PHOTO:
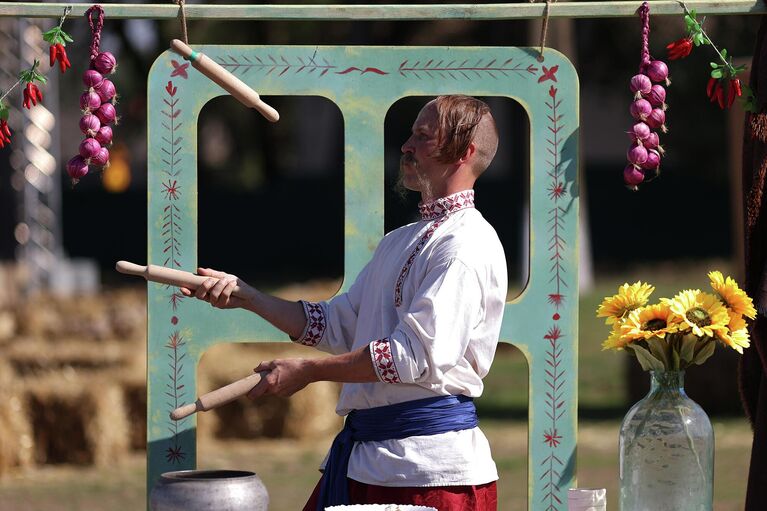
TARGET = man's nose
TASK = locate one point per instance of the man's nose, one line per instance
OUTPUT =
(407, 147)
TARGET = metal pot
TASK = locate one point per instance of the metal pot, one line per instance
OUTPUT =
(205, 490)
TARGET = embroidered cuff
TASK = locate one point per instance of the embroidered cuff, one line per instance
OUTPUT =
(315, 324)
(383, 362)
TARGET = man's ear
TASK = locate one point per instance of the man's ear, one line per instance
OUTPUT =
(469, 154)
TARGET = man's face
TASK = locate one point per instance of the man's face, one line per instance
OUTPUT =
(419, 171)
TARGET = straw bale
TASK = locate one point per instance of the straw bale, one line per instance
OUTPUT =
(16, 440)
(8, 325)
(77, 420)
(105, 423)
(128, 314)
(33, 356)
(134, 396)
(312, 412)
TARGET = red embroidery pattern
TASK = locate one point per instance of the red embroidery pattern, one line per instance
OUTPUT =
(384, 361)
(436, 209)
(444, 205)
(315, 324)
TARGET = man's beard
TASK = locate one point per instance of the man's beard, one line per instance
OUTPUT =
(423, 183)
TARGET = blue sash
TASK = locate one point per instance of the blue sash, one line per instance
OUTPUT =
(429, 416)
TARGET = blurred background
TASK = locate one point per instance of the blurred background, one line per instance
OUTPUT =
(73, 331)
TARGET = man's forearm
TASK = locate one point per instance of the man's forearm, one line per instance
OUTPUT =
(353, 367)
(286, 315)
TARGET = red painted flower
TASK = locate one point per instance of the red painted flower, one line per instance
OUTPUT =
(679, 49)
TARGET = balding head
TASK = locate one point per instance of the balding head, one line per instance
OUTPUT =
(464, 120)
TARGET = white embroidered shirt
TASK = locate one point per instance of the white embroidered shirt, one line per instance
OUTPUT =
(429, 303)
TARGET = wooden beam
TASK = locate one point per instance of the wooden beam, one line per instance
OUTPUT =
(526, 10)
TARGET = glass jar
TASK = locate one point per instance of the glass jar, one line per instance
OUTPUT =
(666, 450)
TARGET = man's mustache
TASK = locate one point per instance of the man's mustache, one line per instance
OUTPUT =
(408, 159)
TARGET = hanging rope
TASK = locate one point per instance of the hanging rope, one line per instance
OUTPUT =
(544, 26)
(95, 28)
(182, 15)
(644, 16)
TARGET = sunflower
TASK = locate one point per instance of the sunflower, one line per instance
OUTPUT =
(616, 341)
(629, 297)
(655, 320)
(736, 335)
(731, 295)
(702, 312)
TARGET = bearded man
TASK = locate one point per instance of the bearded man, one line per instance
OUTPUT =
(413, 337)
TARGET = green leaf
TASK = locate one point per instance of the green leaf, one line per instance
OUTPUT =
(4, 112)
(658, 348)
(724, 53)
(66, 37)
(687, 353)
(697, 39)
(646, 360)
(704, 352)
(717, 73)
(714, 65)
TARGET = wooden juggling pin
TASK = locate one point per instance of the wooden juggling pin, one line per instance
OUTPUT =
(170, 276)
(225, 79)
(218, 397)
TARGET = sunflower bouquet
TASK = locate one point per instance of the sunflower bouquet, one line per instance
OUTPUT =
(680, 331)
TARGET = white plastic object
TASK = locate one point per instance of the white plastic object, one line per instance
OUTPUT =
(587, 499)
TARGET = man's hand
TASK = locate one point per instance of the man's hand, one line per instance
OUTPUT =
(217, 290)
(285, 377)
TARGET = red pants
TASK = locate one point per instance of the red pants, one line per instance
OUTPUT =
(444, 498)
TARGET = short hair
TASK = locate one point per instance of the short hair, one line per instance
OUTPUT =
(461, 121)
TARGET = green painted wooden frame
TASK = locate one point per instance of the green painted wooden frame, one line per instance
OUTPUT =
(364, 82)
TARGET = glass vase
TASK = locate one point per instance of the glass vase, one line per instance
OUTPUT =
(666, 450)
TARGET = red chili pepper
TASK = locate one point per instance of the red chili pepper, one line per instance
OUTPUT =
(710, 87)
(679, 49)
(26, 96)
(52, 52)
(37, 94)
(5, 133)
(62, 58)
(730, 94)
(738, 89)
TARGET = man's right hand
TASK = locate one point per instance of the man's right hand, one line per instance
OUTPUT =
(217, 290)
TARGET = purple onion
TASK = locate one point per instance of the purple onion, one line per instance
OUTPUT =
(652, 141)
(92, 78)
(637, 154)
(77, 168)
(640, 109)
(657, 96)
(89, 147)
(104, 135)
(89, 124)
(639, 131)
(657, 70)
(101, 158)
(105, 63)
(632, 175)
(106, 113)
(640, 84)
(89, 101)
(656, 119)
(106, 90)
(652, 161)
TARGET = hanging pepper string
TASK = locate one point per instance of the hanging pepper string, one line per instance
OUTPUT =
(544, 26)
(95, 28)
(182, 14)
(644, 14)
(10, 90)
(67, 10)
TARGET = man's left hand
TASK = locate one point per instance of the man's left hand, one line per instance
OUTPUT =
(285, 377)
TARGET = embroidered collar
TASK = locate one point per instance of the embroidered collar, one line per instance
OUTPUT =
(444, 205)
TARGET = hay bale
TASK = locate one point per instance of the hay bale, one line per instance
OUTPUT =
(77, 419)
(312, 412)
(105, 420)
(16, 440)
(34, 356)
(128, 314)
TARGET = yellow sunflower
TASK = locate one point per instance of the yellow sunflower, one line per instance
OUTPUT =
(629, 297)
(731, 295)
(616, 341)
(701, 312)
(736, 335)
(655, 320)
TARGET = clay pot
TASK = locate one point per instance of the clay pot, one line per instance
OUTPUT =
(198, 490)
